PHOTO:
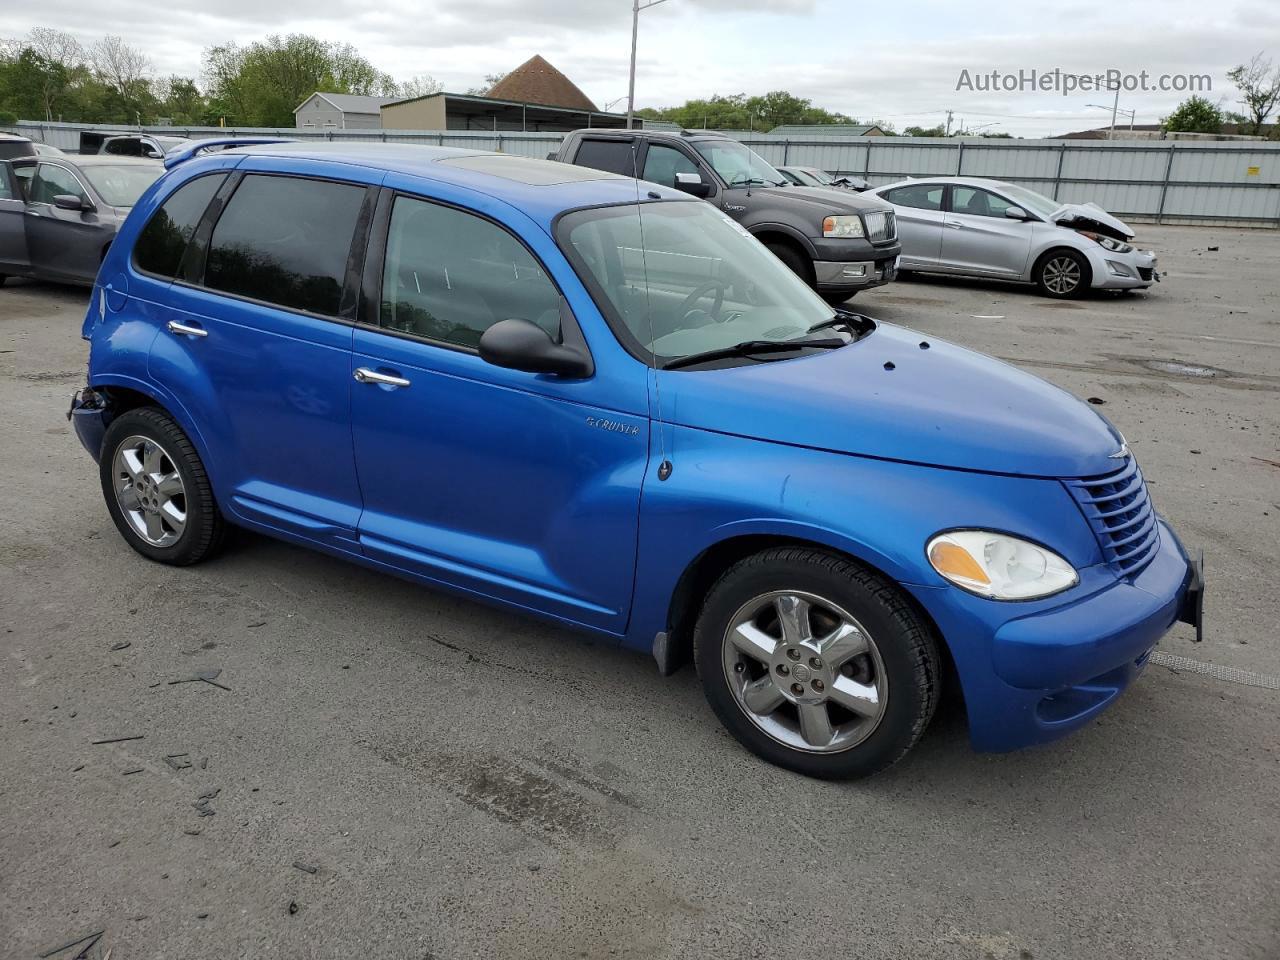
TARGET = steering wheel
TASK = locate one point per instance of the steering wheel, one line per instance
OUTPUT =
(719, 286)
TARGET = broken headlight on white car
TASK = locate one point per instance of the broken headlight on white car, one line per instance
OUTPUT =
(1107, 243)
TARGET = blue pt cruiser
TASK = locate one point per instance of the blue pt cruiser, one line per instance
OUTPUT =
(601, 401)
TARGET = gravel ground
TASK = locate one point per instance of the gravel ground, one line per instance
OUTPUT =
(384, 771)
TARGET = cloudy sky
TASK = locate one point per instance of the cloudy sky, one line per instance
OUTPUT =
(898, 62)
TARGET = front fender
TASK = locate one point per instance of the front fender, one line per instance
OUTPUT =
(806, 244)
(880, 512)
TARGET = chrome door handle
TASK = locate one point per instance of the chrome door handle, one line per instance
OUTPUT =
(176, 327)
(365, 375)
(953, 224)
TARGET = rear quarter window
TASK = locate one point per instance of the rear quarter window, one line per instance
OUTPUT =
(159, 247)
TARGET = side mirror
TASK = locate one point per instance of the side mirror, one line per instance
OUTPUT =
(1016, 213)
(693, 185)
(518, 344)
(68, 201)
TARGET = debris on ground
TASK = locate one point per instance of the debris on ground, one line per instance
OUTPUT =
(202, 676)
(293, 906)
(179, 761)
(132, 770)
(305, 867)
(91, 938)
(1212, 249)
(1274, 463)
(123, 644)
(115, 740)
(1096, 401)
(202, 803)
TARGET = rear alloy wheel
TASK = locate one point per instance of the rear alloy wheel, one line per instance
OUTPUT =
(816, 664)
(156, 489)
(1063, 274)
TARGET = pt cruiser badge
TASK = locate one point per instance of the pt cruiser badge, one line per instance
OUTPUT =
(614, 426)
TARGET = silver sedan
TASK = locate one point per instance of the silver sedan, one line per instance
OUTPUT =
(987, 228)
(58, 215)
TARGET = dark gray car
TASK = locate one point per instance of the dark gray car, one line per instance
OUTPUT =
(58, 215)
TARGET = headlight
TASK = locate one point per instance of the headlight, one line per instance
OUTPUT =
(846, 226)
(999, 566)
(1108, 243)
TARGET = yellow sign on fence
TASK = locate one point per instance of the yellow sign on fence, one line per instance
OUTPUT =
(1253, 171)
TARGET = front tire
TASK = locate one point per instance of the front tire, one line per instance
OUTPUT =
(816, 664)
(835, 299)
(157, 490)
(795, 261)
(1063, 274)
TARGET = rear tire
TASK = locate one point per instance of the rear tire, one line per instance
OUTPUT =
(794, 260)
(835, 299)
(1063, 274)
(816, 664)
(157, 490)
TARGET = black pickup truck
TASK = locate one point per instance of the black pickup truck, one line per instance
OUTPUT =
(839, 242)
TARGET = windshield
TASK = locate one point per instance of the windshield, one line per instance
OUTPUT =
(1035, 202)
(121, 186)
(710, 284)
(821, 176)
(738, 165)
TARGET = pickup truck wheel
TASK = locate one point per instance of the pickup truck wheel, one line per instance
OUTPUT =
(794, 260)
(835, 299)
(1062, 274)
(816, 664)
(157, 490)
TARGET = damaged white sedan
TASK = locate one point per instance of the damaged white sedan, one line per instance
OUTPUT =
(965, 226)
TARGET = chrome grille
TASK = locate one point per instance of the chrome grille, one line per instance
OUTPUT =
(881, 226)
(1119, 511)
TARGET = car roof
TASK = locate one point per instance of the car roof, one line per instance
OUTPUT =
(541, 188)
(954, 181)
(14, 136)
(105, 160)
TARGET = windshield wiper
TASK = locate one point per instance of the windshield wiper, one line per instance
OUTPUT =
(748, 347)
(843, 318)
(754, 182)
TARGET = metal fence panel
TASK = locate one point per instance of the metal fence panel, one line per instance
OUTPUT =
(1233, 182)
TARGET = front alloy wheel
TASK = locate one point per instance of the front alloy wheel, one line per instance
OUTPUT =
(804, 671)
(1063, 274)
(816, 663)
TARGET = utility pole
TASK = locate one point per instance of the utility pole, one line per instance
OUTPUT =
(1115, 106)
(948, 123)
(636, 7)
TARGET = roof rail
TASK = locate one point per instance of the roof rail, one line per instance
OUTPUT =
(197, 147)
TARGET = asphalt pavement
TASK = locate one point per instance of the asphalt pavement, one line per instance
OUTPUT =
(360, 767)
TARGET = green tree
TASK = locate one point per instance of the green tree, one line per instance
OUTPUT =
(1194, 115)
(740, 112)
(262, 84)
(937, 131)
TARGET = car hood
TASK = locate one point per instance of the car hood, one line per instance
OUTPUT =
(828, 200)
(888, 397)
(1090, 216)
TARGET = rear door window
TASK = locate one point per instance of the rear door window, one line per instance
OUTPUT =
(285, 241)
(923, 196)
(161, 243)
(611, 155)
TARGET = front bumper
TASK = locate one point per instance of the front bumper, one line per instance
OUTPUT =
(1135, 270)
(853, 263)
(1053, 671)
(835, 276)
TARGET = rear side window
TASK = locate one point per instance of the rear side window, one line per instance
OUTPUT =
(160, 245)
(611, 155)
(285, 240)
(923, 196)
